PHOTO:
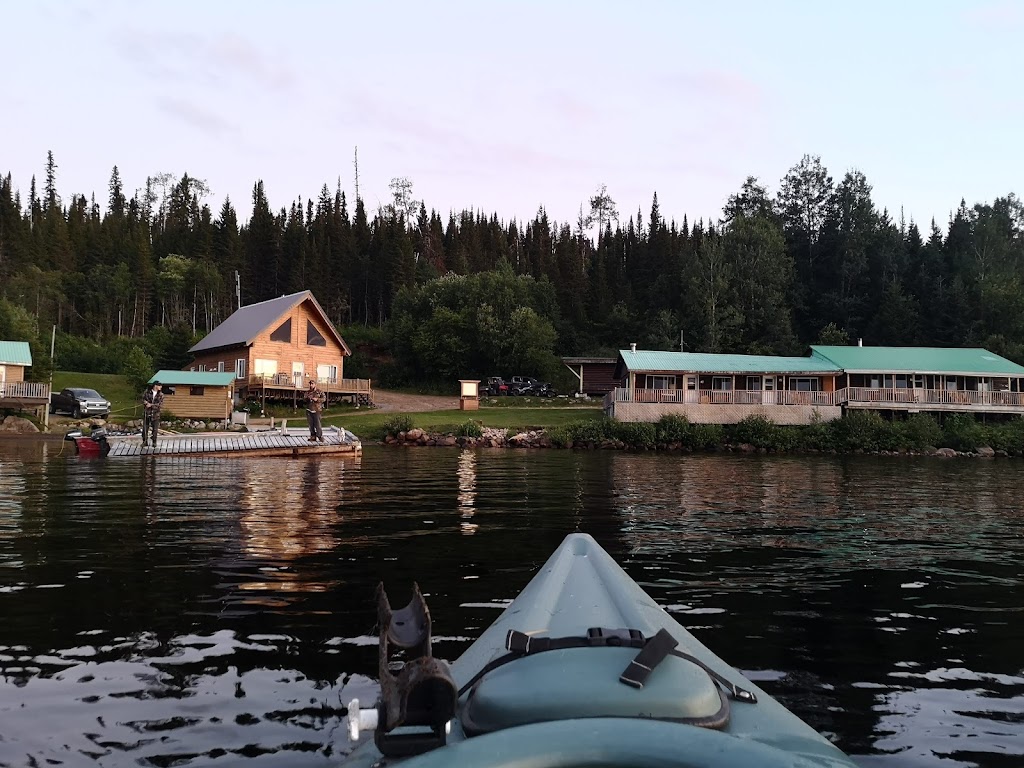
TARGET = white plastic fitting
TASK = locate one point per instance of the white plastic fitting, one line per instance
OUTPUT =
(360, 719)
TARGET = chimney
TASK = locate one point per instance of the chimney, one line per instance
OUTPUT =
(860, 342)
(632, 347)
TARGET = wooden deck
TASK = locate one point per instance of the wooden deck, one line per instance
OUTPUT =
(274, 442)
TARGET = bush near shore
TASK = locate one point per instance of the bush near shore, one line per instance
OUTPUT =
(855, 433)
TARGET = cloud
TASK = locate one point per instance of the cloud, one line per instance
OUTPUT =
(195, 115)
(1002, 14)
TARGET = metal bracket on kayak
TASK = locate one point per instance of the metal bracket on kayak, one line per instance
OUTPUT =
(417, 693)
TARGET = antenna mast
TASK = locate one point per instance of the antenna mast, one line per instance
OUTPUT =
(356, 164)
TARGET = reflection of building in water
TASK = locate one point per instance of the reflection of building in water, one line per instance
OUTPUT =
(467, 490)
(289, 510)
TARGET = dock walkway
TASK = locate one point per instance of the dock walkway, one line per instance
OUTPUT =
(272, 442)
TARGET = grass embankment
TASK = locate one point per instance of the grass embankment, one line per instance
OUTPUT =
(370, 424)
(125, 403)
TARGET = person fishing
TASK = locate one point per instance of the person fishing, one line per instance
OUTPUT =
(314, 407)
(152, 402)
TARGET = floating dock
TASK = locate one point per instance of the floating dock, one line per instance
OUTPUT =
(271, 442)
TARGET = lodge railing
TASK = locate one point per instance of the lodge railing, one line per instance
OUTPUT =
(847, 395)
(926, 397)
(25, 390)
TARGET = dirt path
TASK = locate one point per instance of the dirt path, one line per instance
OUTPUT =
(398, 402)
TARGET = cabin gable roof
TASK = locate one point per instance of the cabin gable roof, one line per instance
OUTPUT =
(243, 327)
(15, 353)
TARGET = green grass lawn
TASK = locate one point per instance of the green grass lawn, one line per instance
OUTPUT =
(369, 424)
(124, 403)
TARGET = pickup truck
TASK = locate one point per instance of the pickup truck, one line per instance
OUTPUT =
(78, 402)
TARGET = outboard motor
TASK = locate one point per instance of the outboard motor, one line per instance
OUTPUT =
(96, 444)
(418, 696)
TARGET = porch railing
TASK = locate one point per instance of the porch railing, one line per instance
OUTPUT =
(25, 390)
(930, 396)
(288, 381)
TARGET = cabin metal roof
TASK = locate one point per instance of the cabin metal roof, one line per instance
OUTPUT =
(931, 360)
(698, 362)
(248, 322)
(194, 378)
(15, 353)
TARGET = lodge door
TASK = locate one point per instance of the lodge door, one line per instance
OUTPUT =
(298, 373)
(769, 390)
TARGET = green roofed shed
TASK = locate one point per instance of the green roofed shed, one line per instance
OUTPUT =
(15, 353)
(924, 360)
(194, 378)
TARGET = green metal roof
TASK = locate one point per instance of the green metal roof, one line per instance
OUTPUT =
(15, 353)
(194, 378)
(964, 361)
(697, 362)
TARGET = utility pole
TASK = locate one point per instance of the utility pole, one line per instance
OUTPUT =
(46, 409)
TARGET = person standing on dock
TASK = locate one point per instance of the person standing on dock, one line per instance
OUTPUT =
(314, 407)
(152, 402)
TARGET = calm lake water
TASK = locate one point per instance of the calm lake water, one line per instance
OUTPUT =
(213, 612)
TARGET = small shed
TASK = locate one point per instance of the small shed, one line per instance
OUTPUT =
(596, 375)
(197, 394)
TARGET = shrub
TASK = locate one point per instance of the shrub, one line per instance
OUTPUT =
(673, 428)
(962, 432)
(469, 429)
(921, 430)
(400, 422)
(761, 433)
(638, 434)
(1008, 436)
(864, 430)
(705, 436)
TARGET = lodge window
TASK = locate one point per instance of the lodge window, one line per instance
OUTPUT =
(196, 391)
(327, 373)
(798, 384)
(202, 367)
(220, 367)
(723, 383)
(661, 382)
(283, 332)
(240, 368)
(313, 337)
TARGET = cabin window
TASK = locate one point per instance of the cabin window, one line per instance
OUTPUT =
(313, 337)
(753, 383)
(327, 373)
(265, 368)
(875, 382)
(804, 384)
(196, 391)
(723, 383)
(220, 367)
(283, 332)
(240, 368)
(661, 382)
(202, 367)
(918, 381)
(901, 381)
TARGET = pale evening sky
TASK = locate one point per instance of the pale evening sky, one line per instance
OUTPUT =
(505, 107)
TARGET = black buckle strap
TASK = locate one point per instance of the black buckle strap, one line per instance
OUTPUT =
(650, 656)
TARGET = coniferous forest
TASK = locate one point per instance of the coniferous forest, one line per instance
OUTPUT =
(808, 259)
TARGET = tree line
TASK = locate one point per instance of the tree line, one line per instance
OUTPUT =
(815, 260)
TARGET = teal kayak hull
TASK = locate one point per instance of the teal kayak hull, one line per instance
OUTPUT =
(568, 708)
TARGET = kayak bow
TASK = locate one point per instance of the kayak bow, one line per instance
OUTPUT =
(583, 668)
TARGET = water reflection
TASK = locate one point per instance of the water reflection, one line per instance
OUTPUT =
(170, 612)
(467, 490)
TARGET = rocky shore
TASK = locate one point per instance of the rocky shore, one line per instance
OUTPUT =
(500, 438)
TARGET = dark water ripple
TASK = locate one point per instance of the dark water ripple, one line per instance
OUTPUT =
(212, 612)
